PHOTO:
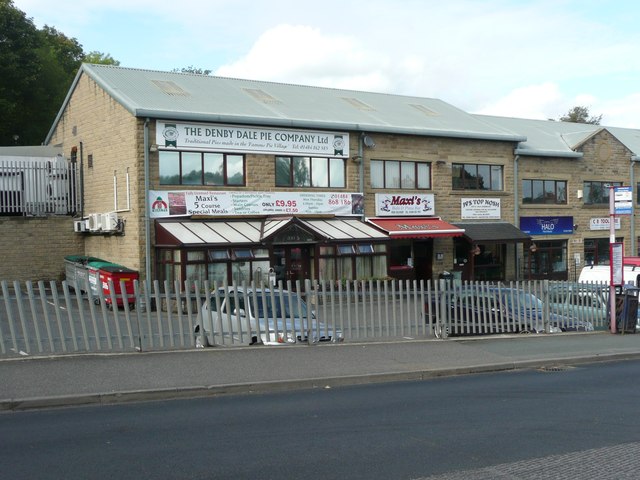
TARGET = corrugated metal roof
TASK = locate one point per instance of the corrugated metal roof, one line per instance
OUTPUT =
(545, 137)
(33, 151)
(560, 139)
(180, 96)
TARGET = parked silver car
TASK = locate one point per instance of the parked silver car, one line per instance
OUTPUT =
(269, 316)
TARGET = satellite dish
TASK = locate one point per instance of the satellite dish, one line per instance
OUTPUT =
(368, 141)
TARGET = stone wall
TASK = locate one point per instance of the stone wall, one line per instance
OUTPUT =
(33, 248)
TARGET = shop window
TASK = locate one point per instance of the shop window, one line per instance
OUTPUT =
(597, 193)
(242, 253)
(218, 254)
(596, 250)
(544, 192)
(468, 176)
(547, 260)
(310, 172)
(345, 250)
(396, 174)
(197, 168)
(365, 248)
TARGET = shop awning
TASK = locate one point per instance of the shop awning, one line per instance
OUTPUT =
(344, 229)
(426, 227)
(493, 232)
(227, 232)
(197, 232)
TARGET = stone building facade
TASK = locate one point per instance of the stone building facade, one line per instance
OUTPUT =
(473, 172)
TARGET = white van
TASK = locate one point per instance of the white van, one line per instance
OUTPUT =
(602, 274)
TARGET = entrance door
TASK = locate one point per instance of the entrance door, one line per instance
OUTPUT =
(292, 262)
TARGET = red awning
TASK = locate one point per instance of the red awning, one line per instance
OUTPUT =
(426, 227)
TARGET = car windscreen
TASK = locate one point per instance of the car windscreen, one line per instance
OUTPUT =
(523, 300)
(282, 306)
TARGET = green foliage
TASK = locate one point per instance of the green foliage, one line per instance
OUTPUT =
(580, 115)
(100, 58)
(36, 71)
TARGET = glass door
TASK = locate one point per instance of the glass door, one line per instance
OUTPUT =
(292, 262)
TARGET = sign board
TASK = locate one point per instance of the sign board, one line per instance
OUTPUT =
(546, 225)
(623, 200)
(193, 202)
(480, 208)
(602, 223)
(397, 205)
(617, 270)
(235, 138)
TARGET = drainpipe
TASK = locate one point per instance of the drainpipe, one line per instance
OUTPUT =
(634, 239)
(147, 234)
(361, 167)
(516, 212)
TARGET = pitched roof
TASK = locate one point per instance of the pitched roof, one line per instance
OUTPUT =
(180, 96)
(560, 139)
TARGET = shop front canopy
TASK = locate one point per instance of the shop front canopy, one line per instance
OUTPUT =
(493, 232)
(190, 232)
(425, 227)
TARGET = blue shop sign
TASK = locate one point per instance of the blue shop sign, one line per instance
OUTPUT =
(546, 225)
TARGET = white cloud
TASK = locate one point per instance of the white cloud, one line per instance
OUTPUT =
(525, 58)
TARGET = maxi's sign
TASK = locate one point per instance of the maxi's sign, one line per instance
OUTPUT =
(212, 203)
(234, 138)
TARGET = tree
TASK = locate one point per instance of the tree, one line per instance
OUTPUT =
(100, 58)
(19, 70)
(36, 71)
(580, 115)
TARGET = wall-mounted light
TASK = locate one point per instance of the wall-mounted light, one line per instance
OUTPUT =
(153, 148)
(533, 248)
(439, 256)
(575, 226)
(356, 159)
(441, 162)
(476, 250)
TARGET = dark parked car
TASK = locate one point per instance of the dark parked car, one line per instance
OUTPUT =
(490, 310)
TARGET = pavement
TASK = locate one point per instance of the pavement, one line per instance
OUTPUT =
(85, 379)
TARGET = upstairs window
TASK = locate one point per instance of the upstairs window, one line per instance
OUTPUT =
(314, 172)
(395, 174)
(544, 192)
(199, 168)
(597, 193)
(469, 176)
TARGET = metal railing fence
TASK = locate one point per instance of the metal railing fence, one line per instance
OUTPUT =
(47, 318)
(39, 188)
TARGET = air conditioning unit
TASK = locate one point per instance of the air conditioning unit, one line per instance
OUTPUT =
(109, 222)
(95, 222)
(80, 226)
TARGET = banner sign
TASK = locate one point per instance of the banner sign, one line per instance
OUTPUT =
(191, 202)
(484, 208)
(233, 138)
(394, 205)
(617, 259)
(546, 225)
(623, 199)
(602, 223)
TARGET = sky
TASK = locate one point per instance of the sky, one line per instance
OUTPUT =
(515, 58)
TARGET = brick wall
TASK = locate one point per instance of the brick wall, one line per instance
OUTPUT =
(605, 159)
(34, 248)
(110, 145)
